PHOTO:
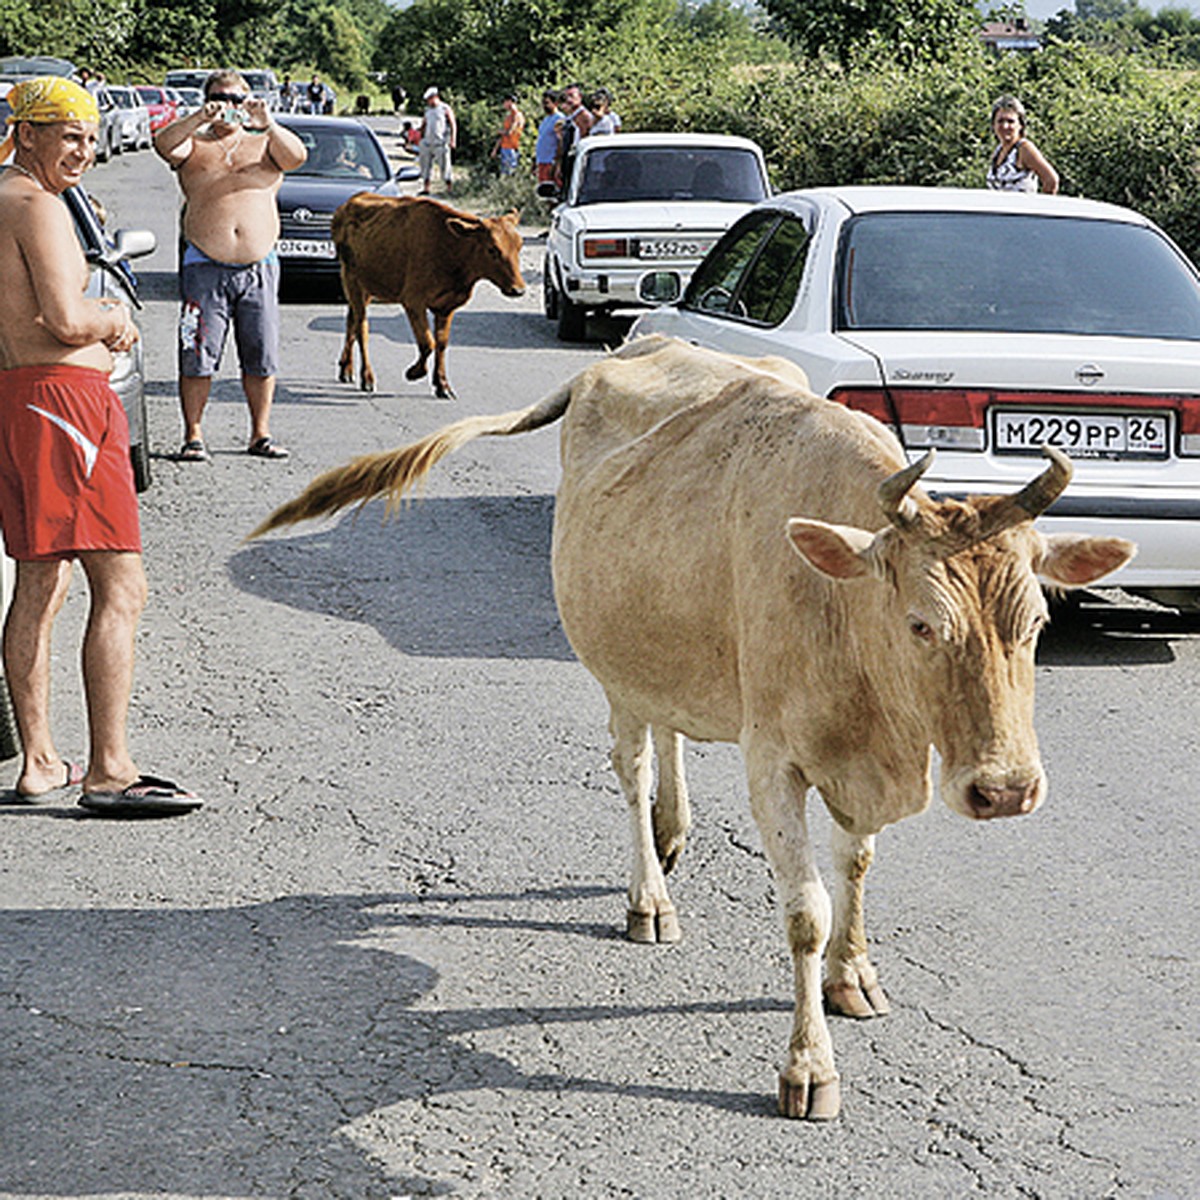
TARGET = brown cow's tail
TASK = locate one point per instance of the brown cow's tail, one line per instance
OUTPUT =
(396, 472)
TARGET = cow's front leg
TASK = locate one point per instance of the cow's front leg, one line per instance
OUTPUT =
(651, 916)
(441, 339)
(356, 318)
(672, 813)
(809, 1086)
(418, 321)
(851, 981)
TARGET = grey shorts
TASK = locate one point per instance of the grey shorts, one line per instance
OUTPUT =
(218, 294)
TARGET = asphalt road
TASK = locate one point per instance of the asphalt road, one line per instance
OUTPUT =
(386, 957)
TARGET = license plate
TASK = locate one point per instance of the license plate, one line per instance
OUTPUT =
(306, 248)
(1082, 435)
(674, 247)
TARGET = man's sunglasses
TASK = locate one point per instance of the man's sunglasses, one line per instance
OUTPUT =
(227, 97)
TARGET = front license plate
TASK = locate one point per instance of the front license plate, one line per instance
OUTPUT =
(674, 247)
(306, 248)
(1082, 435)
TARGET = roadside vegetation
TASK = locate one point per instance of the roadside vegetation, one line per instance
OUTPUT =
(880, 91)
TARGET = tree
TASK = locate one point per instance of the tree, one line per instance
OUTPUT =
(907, 30)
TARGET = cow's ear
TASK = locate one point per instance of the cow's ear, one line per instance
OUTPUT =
(512, 217)
(839, 551)
(459, 227)
(1073, 560)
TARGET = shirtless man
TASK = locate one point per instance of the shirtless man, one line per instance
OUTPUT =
(66, 484)
(575, 128)
(231, 158)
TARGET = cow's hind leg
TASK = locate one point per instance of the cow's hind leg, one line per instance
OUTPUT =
(441, 339)
(808, 1083)
(672, 813)
(851, 981)
(356, 333)
(418, 321)
(651, 916)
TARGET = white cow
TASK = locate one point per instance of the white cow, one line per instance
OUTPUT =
(738, 560)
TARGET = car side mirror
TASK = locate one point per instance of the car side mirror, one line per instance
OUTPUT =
(134, 243)
(547, 190)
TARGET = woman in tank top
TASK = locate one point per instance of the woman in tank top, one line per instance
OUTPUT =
(1017, 164)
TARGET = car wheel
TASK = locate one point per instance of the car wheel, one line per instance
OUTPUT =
(572, 320)
(139, 451)
(549, 295)
(118, 144)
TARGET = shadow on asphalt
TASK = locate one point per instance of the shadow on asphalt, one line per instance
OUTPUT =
(449, 578)
(227, 1052)
(1097, 630)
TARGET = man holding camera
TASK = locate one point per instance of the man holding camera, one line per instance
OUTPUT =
(231, 157)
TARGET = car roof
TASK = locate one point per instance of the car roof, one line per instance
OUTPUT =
(311, 121)
(664, 140)
(869, 198)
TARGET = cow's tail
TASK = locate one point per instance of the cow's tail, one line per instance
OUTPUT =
(395, 472)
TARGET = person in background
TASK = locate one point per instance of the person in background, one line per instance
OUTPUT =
(439, 136)
(314, 95)
(66, 483)
(1017, 165)
(577, 125)
(230, 157)
(604, 120)
(287, 95)
(508, 140)
(545, 150)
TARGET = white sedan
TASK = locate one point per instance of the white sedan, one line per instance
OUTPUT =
(984, 325)
(640, 211)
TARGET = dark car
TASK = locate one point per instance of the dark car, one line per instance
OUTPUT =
(344, 158)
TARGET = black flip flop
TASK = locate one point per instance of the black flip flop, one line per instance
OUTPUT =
(146, 796)
(266, 448)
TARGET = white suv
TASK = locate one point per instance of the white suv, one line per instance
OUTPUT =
(639, 212)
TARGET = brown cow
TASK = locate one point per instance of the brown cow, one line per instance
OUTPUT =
(424, 255)
(738, 560)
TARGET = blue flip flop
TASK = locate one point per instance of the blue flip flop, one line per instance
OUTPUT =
(146, 796)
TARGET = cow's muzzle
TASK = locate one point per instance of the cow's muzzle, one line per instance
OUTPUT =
(987, 800)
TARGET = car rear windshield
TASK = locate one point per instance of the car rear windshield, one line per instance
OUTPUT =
(990, 272)
(341, 154)
(670, 173)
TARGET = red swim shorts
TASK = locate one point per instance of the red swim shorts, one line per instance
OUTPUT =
(66, 483)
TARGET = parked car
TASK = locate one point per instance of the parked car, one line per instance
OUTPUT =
(159, 104)
(108, 139)
(188, 77)
(262, 83)
(131, 116)
(984, 325)
(187, 99)
(640, 211)
(344, 158)
(27, 66)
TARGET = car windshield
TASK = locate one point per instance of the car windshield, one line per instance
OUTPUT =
(341, 154)
(619, 173)
(150, 95)
(123, 99)
(991, 272)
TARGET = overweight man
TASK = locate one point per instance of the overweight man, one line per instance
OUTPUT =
(66, 483)
(230, 156)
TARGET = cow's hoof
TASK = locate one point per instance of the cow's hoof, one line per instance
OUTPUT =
(808, 1101)
(444, 392)
(416, 371)
(367, 385)
(345, 375)
(854, 1000)
(649, 928)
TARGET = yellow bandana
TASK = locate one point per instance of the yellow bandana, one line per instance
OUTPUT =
(46, 101)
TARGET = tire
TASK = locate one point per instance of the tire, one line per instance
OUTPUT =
(549, 293)
(139, 452)
(572, 321)
(10, 743)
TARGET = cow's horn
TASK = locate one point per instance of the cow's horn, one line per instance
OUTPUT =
(1038, 494)
(894, 488)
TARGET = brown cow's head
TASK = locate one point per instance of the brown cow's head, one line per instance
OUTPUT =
(495, 249)
(963, 611)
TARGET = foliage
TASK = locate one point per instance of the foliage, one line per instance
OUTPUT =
(906, 31)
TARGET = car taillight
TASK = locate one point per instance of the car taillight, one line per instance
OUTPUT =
(605, 247)
(1189, 428)
(950, 419)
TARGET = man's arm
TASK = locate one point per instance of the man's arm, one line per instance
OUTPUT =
(173, 143)
(285, 148)
(453, 128)
(48, 245)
